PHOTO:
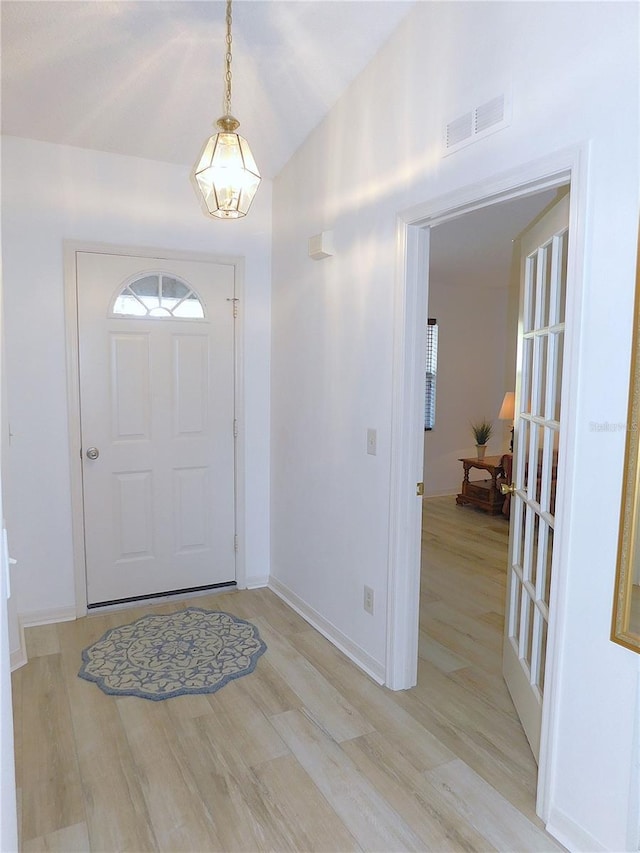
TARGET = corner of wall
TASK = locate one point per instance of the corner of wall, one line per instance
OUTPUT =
(359, 656)
(570, 834)
(18, 653)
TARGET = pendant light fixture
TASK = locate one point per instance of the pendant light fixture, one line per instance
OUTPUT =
(227, 175)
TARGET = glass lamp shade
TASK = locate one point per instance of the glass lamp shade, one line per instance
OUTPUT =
(227, 175)
(507, 412)
(507, 409)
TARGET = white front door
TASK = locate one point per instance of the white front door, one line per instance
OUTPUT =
(535, 463)
(156, 361)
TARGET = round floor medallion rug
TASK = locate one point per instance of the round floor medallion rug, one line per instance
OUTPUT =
(165, 655)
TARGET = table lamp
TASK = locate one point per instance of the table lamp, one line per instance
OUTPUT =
(507, 412)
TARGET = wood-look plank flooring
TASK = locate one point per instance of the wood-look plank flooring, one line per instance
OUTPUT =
(306, 753)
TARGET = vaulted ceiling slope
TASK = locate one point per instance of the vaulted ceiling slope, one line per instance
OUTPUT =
(145, 77)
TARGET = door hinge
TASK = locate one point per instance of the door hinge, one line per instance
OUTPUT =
(235, 301)
(235, 427)
(419, 489)
(235, 542)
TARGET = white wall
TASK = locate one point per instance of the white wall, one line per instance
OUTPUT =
(8, 822)
(572, 68)
(472, 346)
(51, 193)
(8, 825)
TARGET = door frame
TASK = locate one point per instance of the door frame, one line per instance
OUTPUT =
(70, 248)
(569, 166)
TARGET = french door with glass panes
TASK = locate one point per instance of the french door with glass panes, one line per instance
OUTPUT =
(541, 332)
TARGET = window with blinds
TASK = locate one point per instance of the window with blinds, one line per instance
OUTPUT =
(431, 366)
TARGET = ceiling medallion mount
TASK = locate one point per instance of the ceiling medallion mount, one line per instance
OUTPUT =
(226, 172)
(228, 123)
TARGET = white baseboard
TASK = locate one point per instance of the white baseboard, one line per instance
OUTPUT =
(31, 618)
(570, 834)
(18, 659)
(372, 667)
(18, 656)
(256, 582)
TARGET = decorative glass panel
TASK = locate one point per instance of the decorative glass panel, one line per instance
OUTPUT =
(189, 307)
(128, 305)
(173, 288)
(431, 366)
(147, 286)
(158, 296)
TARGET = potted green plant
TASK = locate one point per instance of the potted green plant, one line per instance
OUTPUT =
(482, 431)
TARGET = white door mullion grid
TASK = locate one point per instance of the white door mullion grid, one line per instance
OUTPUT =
(536, 446)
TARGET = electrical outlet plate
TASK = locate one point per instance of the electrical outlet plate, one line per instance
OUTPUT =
(372, 442)
(368, 599)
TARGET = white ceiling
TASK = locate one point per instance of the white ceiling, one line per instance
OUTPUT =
(145, 78)
(477, 248)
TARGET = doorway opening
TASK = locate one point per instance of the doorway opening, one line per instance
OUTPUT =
(474, 292)
(568, 167)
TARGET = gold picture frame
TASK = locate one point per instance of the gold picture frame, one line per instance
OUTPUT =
(625, 627)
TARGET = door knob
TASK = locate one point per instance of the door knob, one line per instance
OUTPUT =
(93, 453)
(507, 489)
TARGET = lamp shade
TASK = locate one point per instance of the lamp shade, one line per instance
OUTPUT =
(227, 175)
(507, 409)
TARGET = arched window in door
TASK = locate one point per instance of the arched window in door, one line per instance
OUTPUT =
(158, 296)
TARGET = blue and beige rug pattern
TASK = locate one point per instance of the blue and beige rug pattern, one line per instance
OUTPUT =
(164, 655)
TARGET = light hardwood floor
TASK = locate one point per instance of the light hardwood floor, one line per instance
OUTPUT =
(306, 753)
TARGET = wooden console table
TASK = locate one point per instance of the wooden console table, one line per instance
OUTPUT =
(484, 494)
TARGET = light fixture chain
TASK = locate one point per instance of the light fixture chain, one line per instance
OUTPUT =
(227, 96)
(226, 174)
